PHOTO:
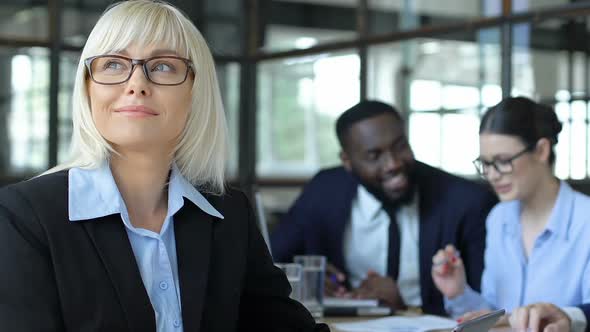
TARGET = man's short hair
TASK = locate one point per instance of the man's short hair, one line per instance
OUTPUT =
(361, 111)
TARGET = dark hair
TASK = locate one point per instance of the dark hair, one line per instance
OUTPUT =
(524, 118)
(361, 111)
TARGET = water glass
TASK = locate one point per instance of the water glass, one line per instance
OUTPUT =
(293, 272)
(314, 270)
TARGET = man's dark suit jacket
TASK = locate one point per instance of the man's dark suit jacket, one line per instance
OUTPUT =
(586, 309)
(452, 211)
(64, 276)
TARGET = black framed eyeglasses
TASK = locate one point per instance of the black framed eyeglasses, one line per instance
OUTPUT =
(117, 69)
(503, 166)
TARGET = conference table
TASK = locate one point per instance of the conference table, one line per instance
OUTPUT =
(334, 320)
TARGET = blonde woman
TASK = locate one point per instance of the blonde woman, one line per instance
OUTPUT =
(137, 232)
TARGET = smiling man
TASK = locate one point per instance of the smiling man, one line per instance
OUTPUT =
(382, 215)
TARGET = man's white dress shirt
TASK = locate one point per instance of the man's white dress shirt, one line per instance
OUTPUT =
(366, 244)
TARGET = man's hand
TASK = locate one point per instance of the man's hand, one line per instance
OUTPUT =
(334, 284)
(382, 288)
(541, 317)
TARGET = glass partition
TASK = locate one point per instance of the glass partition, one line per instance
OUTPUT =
(298, 103)
(550, 63)
(387, 16)
(301, 24)
(26, 19)
(24, 114)
(440, 85)
(228, 75)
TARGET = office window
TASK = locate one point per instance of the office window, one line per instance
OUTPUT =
(24, 110)
(386, 16)
(298, 103)
(443, 128)
(223, 24)
(78, 19)
(573, 148)
(67, 76)
(282, 38)
(24, 19)
(551, 64)
(441, 85)
(228, 75)
(519, 6)
(300, 24)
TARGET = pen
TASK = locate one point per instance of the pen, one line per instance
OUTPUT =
(445, 261)
(334, 278)
(340, 287)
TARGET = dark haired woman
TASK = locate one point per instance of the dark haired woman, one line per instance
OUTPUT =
(537, 246)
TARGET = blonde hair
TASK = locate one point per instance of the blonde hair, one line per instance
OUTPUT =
(201, 153)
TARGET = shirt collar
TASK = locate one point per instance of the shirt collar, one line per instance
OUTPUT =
(511, 218)
(559, 220)
(369, 205)
(93, 193)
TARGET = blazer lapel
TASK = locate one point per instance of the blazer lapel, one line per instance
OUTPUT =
(193, 230)
(110, 239)
(339, 218)
(429, 230)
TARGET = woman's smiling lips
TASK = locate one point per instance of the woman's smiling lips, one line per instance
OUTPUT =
(502, 189)
(136, 111)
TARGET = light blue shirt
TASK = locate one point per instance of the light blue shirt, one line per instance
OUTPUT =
(94, 193)
(557, 270)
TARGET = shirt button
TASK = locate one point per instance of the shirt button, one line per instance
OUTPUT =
(163, 285)
(176, 323)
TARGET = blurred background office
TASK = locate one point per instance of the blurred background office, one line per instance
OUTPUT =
(288, 68)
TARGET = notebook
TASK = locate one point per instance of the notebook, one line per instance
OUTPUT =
(424, 323)
(344, 302)
(334, 306)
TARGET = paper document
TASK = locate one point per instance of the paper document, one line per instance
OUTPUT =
(398, 324)
(342, 302)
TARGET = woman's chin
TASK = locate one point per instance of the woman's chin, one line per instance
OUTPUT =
(507, 196)
(135, 144)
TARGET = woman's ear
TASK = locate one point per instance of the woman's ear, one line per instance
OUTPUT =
(543, 150)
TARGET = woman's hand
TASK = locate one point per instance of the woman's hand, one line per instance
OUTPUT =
(448, 272)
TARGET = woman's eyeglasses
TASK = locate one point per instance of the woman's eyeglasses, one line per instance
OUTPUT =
(116, 69)
(501, 165)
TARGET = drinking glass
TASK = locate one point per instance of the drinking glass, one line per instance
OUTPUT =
(314, 270)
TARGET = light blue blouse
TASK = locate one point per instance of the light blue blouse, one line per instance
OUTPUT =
(557, 270)
(94, 193)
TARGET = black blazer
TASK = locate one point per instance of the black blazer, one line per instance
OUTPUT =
(63, 276)
(586, 309)
(452, 211)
